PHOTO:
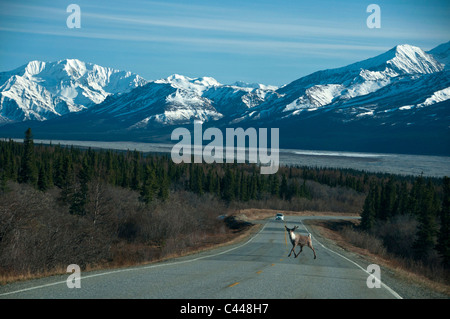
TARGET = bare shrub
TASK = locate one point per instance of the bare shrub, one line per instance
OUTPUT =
(40, 235)
(397, 234)
(392, 240)
(363, 240)
(184, 221)
(323, 199)
(336, 199)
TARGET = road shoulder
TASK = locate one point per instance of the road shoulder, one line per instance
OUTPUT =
(406, 284)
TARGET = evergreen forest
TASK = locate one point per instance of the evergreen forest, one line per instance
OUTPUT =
(61, 205)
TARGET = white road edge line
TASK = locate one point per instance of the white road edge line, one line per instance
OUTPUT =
(395, 294)
(137, 268)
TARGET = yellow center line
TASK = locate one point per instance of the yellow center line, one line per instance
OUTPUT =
(258, 272)
(232, 285)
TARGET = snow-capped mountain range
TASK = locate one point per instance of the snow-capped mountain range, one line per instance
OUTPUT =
(41, 90)
(385, 76)
(400, 89)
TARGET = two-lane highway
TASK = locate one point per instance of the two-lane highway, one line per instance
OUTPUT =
(257, 268)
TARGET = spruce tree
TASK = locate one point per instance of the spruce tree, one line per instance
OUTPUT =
(67, 177)
(58, 177)
(416, 193)
(401, 203)
(28, 171)
(3, 181)
(376, 199)
(443, 245)
(228, 185)
(284, 187)
(387, 200)
(163, 193)
(136, 176)
(80, 197)
(43, 182)
(149, 186)
(243, 195)
(274, 184)
(304, 191)
(368, 214)
(427, 228)
(217, 189)
(198, 180)
(294, 189)
(253, 187)
(237, 183)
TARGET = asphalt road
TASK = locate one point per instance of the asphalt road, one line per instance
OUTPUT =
(256, 268)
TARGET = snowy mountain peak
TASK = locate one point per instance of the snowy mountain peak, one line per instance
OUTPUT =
(406, 48)
(176, 77)
(33, 67)
(411, 59)
(42, 90)
(206, 81)
(400, 60)
(184, 82)
(74, 67)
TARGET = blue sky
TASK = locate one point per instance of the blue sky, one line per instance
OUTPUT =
(271, 42)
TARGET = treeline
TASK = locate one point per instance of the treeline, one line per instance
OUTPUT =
(153, 176)
(425, 203)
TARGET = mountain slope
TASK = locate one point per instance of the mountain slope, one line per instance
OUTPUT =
(442, 54)
(180, 100)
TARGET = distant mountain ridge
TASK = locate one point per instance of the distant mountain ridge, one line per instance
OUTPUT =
(396, 101)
